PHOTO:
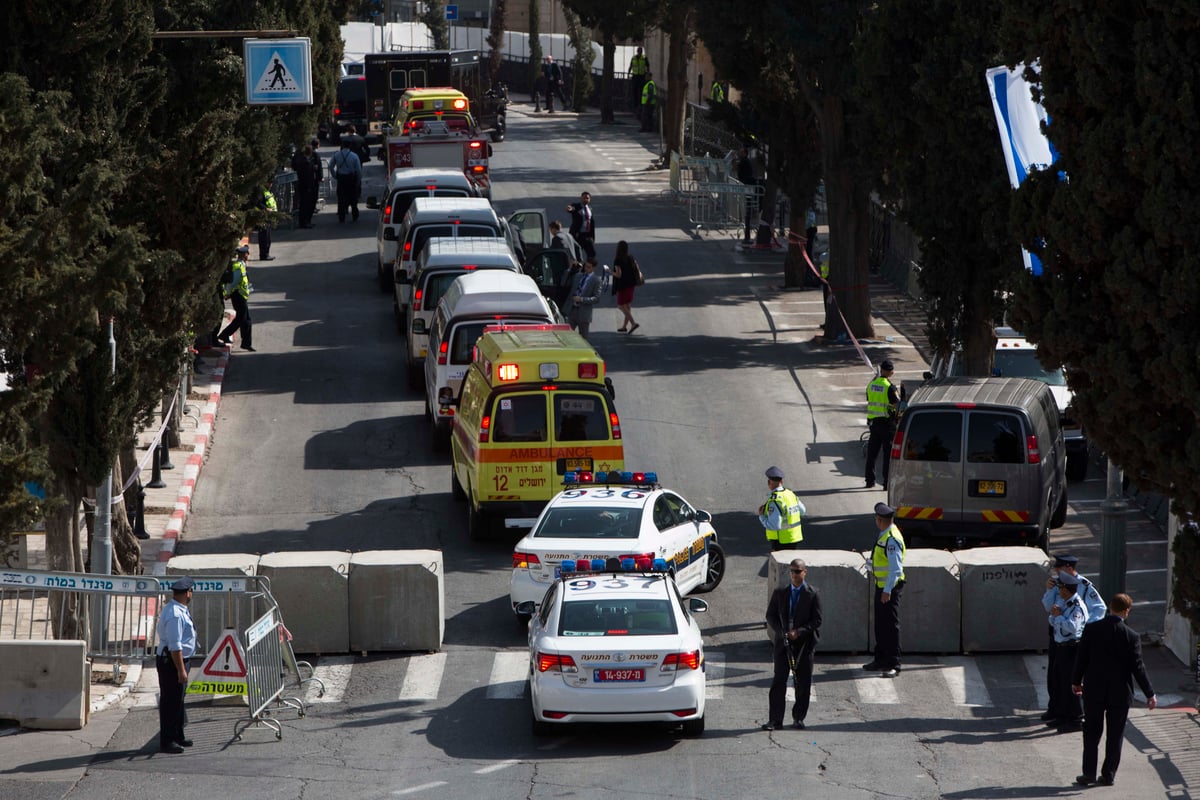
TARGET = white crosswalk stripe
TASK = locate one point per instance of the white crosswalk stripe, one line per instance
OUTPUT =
(876, 690)
(965, 682)
(1035, 665)
(334, 673)
(424, 677)
(509, 673)
(714, 675)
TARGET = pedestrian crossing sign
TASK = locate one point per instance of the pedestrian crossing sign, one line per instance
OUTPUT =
(278, 71)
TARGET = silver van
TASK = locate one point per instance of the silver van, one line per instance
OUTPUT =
(439, 265)
(473, 302)
(980, 460)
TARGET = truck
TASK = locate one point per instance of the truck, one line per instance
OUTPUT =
(390, 75)
(436, 145)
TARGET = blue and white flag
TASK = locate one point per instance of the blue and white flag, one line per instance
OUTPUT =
(1019, 120)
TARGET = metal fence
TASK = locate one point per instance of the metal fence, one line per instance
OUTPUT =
(704, 136)
(725, 204)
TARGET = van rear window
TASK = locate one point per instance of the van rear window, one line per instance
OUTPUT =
(933, 436)
(519, 418)
(994, 438)
(426, 232)
(580, 417)
(402, 200)
(465, 337)
(436, 286)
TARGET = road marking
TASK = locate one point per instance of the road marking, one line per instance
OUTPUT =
(1129, 543)
(334, 673)
(1144, 572)
(497, 766)
(965, 682)
(877, 690)
(421, 788)
(424, 678)
(1036, 667)
(714, 675)
(509, 671)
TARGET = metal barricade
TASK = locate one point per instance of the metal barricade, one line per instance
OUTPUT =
(728, 204)
(266, 674)
(283, 186)
(689, 173)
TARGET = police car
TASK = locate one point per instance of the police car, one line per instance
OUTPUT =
(613, 641)
(617, 515)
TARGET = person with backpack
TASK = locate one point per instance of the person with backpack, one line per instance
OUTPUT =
(627, 276)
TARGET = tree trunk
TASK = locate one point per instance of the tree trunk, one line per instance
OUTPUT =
(68, 615)
(679, 52)
(606, 79)
(535, 46)
(127, 553)
(795, 268)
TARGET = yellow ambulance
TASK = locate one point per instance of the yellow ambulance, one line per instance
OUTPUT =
(535, 404)
(418, 107)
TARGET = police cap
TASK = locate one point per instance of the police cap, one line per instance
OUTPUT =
(775, 472)
(884, 510)
(244, 248)
(886, 366)
(1065, 560)
(182, 585)
(1067, 579)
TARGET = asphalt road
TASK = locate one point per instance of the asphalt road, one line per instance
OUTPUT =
(320, 445)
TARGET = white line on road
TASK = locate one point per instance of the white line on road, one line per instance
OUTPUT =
(965, 682)
(1130, 543)
(334, 673)
(421, 788)
(1036, 667)
(424, 677)
(509, 670)
(714, 675)
(877, 690)
(497, 766)
(1144, 571)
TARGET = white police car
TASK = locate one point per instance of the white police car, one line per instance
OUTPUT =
(612, 643)
(621, 515)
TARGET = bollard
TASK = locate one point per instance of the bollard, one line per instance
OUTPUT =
(537, 103)
(164, 453)
(156, 480)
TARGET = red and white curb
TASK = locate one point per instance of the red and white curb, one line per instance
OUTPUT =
(191, 469)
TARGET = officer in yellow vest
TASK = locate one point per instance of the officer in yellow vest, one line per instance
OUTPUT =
(716, 95)
(649, 102)
(237, 291)
(780, 515)
(639, 68)
(266, 202)
(887, 562)
(883, 404)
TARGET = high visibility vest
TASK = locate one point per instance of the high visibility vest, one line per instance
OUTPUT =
(879, 559)
(717, 95)
(825, 270)
(639, 65)
(877, 399)
(269, 200)
(649, 93)
(240, 283)
(789, 509)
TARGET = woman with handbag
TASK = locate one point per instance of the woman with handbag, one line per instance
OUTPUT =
(627, 276)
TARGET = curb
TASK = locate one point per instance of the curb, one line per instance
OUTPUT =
(111, 698)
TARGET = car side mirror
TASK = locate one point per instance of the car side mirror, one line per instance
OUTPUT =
(697, 606)
(927, 375)
(527, 607)
(702, 516)
(389, 235)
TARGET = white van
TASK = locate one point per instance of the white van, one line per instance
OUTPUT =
(439, 265)
(405, 185)
(473, 302)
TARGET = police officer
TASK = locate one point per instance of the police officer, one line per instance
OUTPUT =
(639, 68)
(649, 102)
(237, 291)
(266, 202)
(780, 515)
(716, 95)
(883, 404)
(1094, 608)
(1067, 618)
(887, 561)
(176, 644)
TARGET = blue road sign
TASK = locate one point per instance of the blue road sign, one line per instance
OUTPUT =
(452, 12)
(278, 72)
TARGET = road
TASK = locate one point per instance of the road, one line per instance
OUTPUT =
(320, 445)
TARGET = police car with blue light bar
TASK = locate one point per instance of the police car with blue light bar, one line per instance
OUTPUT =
(617, 515)
(613, 641)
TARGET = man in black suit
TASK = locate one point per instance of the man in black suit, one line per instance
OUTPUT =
(794, 617)
(1108, 662)
(583, 224)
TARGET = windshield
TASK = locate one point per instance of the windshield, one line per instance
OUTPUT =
(617, 617)
(589, 522)
(1024, 364)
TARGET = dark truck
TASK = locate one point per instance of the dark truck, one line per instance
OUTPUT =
(389, 75)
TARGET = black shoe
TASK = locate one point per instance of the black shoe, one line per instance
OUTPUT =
(267, 258)
(1049, 715)
(872, 667)
(772, 726)
(170, 747)
(185, 743)
(890, 672)
(1084, 780)
(798, 724)
(249, 348)
(870, 484)
(1107, 780)
(1069, 726)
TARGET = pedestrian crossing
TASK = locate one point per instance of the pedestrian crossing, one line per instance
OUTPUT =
(1010, 681)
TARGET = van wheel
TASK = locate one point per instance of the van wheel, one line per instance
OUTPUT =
(479, 525)
(385, 279)
(1077, 466)
(716, 568)
(1059, 517)
(456, 489)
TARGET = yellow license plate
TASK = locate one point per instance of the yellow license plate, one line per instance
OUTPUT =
(991, 487)
(576, 464)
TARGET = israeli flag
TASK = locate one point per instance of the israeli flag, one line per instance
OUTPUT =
(1019, 120)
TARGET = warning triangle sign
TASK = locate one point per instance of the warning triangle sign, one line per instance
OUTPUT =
(227, 660)
(276, 76)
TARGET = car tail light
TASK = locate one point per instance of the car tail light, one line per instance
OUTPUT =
(589, 370)
(689, 660)
(443, 349)
(485, 429)
(615, 421)
(897, 444)
(1031, 449)
(417, 299)
(337, 112)
(417, 104)
(407, 248)
(525, 560)
(508, 372)
(552, 662)
(476, 145)
(460, 104)
(387, 212)
(684, 712)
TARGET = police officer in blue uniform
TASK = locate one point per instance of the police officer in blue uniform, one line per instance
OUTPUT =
(176, 644)
(1067, 618)
(1093, 604)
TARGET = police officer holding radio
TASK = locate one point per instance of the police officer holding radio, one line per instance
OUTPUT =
(1095, 610)
(780, 515)
(176, 644)
(883, 407)
(1067, 618)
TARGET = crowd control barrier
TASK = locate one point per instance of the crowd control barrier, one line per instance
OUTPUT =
(267, 669)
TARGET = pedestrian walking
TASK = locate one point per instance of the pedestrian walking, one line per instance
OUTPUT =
(583, 224)
(176, 644)
(626, 277)
(347, 168)
(780, 516)
(1094, 608)
(265, 201)
(887, 562)
(585, 296)
(883, 407)
(552, 72)
(357, 144)
(306, 185)
(1067, 617)
(794, 617)
(1108, 662)
(237, 290)
(639, 68)
(649, 102)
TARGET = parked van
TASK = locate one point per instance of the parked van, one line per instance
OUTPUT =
(404, 186)
(441, 262)
(534, 405)
(472, 303)
(980, 459)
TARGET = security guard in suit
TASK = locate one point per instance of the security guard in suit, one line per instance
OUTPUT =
(780, 515)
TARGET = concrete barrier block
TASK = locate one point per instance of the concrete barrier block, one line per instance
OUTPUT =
(210, 611)
(313, 592)
(397, 600)
(44, 684)
(931, 604)
(1002, 591)
(842, 578)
